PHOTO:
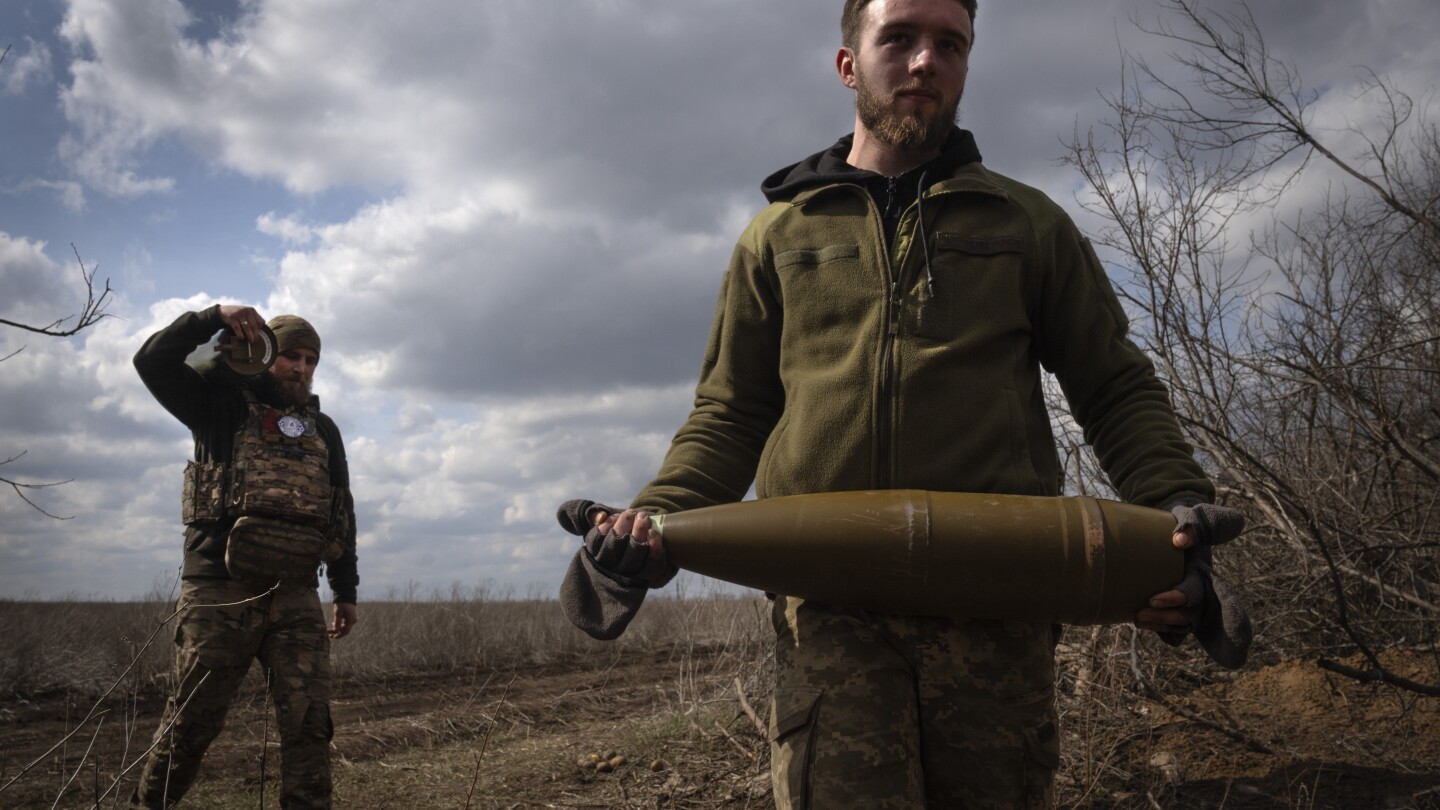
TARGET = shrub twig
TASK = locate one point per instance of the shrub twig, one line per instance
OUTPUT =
(128, 667)
(469, 795)
(83, 758)
(114, 783)
(1378, 674)
(749, 712)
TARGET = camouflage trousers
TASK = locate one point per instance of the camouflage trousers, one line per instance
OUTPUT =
(879, 711)
(221, 627)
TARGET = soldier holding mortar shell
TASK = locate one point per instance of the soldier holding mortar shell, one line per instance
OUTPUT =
(883, 325)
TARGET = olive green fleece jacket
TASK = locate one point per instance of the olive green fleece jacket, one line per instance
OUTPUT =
(834, 363)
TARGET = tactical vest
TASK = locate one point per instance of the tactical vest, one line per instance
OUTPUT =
(288, 517)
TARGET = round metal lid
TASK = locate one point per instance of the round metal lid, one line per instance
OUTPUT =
(248, 359)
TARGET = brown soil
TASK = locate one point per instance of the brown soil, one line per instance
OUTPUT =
(1307, 738)
(513, 739)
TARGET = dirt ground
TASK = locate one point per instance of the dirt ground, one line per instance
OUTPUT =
(1330, 742)
(516, 739)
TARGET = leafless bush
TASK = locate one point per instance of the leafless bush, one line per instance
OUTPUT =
(80, 648)
(1305, 366)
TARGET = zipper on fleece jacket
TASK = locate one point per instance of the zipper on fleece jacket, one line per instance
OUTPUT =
(885, 405)
(884, 463)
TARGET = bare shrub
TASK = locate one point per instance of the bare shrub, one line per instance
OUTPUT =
(479, 627)
(1305, 366)
(1304, 362)
(80, 648)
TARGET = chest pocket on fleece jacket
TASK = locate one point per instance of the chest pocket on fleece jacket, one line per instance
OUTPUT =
(978, 291)
(826, 293)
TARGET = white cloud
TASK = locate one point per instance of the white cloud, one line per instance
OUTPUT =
(458, 298)
(70, 193)
(21, 70)
(35, 293)
(535, 203)
(288, 229)
(434, 94)
(469, 489)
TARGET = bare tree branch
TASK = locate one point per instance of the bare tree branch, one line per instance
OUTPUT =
(90, 314)
(1268, 102)
(1379, 674)
(18, 487)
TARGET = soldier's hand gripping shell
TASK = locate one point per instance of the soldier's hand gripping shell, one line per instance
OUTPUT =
(1218, 616)
(629, 546)
(610, 574)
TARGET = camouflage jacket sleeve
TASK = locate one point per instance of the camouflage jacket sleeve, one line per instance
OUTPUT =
(343, 574)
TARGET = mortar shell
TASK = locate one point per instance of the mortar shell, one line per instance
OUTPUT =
(1074, 560)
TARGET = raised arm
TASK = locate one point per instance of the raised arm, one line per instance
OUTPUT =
(161, 360)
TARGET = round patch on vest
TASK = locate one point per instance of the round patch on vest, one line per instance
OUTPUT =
(291, 426)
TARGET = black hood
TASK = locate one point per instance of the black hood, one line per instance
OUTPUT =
(829, 166)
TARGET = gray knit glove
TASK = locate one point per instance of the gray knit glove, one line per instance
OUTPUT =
(607, 580)
(1217, 615)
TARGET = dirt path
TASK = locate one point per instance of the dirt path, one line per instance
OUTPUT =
(1308, 740)
(572, 705)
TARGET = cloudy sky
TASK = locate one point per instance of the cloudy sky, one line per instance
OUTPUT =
(508, 220)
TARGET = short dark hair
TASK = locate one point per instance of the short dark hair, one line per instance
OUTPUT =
(854, 9)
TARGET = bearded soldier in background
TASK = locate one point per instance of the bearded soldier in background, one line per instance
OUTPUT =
(266, 501)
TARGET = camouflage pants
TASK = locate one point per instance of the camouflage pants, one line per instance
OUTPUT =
(878, 711)
(216, 640)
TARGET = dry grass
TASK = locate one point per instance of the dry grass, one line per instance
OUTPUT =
(100, 671)
(459, 699)
(81, 648)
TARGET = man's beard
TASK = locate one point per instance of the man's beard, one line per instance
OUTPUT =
(913, 132)
(282, 393)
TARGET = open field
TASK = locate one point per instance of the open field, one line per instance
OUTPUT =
(461, 702)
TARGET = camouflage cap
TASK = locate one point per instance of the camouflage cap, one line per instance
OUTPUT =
(294, 332)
